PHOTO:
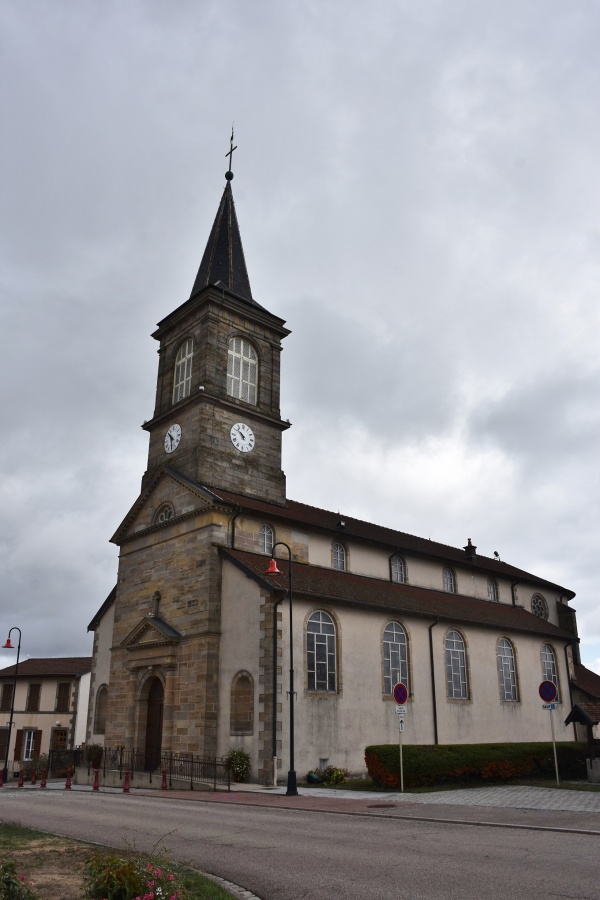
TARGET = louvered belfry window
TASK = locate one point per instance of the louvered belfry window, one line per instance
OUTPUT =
(242, 370)
(182, 382)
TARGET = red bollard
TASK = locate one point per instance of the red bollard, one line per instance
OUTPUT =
(20, 784)
(44, 776)
(68, 781)
(163, 784)
(96, 786)
(34, 776)
(126, 783)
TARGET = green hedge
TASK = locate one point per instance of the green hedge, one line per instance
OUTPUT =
(426, 765)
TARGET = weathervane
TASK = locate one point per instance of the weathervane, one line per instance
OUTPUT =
(229, 173)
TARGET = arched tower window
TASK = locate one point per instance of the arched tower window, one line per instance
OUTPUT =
(395, 657)
(549, 670)
(182, 382)
(242, 704)
(507, 674)
(338, 556)
(100, 711)
(242, 370)
(457, 686)
(266, 539)
(398, 567)
(163, 514)
(492, 590)
(321, 656)
(449, 580)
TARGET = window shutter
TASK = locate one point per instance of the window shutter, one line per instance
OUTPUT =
(37, 743)
(18, 745)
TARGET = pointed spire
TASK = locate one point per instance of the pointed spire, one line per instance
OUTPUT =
(223, 262)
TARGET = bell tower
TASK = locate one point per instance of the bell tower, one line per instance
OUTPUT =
(217, 419)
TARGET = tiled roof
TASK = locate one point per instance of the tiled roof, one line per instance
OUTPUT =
(395, 540)
(52, 666)
(331, 585)
(587, 681)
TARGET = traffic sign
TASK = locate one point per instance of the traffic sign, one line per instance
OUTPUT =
(400, 710)
(548, 705)
(547, 691)
(401, 723)
(400, 694)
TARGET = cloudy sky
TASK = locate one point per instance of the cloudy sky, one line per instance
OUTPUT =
(418, 195)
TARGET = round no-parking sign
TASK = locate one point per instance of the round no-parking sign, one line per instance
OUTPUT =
(400, 694)
(548, 691)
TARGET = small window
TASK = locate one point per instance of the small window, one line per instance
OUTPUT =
(266, 539)
(492, 590)
(457, 687)
(399, 573)
(33, 699)
(242, 370)
(539, 607)
(449, 581)
(163, 514)
(182, 382)
(63, 697)
(242, 704)
(7, 694)
(549, 670)
(338, 556)
(507, 674)
(321, 662)
(101, 708)
(395, 657)
(28, 744)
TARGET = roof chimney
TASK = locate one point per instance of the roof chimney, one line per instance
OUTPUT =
(470, 551)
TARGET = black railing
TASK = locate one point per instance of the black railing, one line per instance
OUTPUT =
(192, 769)
(61, 760)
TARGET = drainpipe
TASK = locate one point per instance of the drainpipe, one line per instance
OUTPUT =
(435, 722)
(274, 724)
(237, 512)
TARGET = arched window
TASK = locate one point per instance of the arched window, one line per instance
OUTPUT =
(321, 661)
(242, 704)
(449, 581)
(507, 674)
(266, 539)
(242, 370)
(399, 572)
(338, 556)
(549, 670)
(492, 590)
(395, 657)
(182, 382)
(100, 711)
(457, 686)
(539, 607)
(163, 514)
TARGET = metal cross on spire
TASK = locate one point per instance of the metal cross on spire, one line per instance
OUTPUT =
(229, 173)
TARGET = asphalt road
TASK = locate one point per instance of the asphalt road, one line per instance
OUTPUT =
(289, 854)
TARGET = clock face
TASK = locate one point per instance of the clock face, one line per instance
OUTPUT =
(172, 438)
(242, 437)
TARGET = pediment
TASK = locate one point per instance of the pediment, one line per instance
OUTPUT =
(168, 496)
(150, 632)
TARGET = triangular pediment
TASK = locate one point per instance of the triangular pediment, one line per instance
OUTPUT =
(150, 632)
(168, 496)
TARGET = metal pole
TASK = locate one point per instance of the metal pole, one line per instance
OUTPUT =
(12, 703)
(401, 766)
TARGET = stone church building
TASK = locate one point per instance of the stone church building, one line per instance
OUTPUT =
(192, 647)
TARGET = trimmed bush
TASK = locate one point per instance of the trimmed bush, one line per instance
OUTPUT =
(443, 764)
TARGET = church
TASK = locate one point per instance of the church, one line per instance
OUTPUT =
(194, 646)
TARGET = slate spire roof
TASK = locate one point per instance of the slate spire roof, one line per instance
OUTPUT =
(223, 263)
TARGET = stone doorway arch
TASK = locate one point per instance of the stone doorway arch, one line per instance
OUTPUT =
(153, 700)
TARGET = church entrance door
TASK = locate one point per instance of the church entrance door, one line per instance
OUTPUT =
(154, 721)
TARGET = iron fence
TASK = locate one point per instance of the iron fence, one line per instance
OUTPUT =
(189, 768)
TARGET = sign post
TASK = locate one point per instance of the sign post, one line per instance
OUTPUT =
(547, 691)
(400, 696)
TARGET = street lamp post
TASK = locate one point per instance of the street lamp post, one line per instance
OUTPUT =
(9, 646)
(292, 790)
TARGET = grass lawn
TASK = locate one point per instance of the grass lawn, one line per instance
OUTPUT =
(54, 865)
